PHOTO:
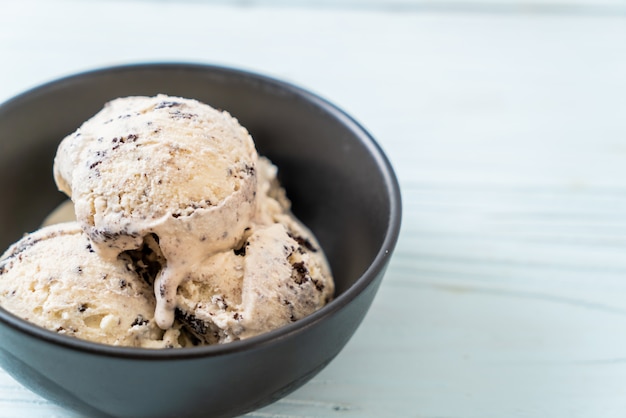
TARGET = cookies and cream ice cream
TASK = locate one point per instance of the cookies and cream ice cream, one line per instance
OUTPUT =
(169, 166)
(54, 278)
(278, 275)
(175, 191)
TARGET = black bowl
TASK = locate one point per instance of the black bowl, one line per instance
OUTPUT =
(341, 185)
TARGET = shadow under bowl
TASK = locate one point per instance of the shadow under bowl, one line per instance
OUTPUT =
(341, 186)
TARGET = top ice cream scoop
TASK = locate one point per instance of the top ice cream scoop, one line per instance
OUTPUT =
(172, 168)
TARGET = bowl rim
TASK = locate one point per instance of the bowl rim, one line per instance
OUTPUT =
(338, 303)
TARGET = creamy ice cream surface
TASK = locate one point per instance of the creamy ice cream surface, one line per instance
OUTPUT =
(179, 234)
(54, 278)
(279, 275)
(161, 165)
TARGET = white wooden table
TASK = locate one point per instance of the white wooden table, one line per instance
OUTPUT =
(506, 123)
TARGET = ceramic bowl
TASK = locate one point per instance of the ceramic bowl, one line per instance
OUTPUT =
(340, 183)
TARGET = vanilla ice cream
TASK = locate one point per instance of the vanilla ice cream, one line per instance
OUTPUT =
(178, 234)
(54, 278)
(278, 275)
(165, 165)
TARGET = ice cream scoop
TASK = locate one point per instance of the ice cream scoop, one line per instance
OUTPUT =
(54, 278)
(278, 276)
(171, 167)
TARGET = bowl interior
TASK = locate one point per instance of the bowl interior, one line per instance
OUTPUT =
(338, 186)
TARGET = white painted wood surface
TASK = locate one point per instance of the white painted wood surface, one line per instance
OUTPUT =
(507, 127)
